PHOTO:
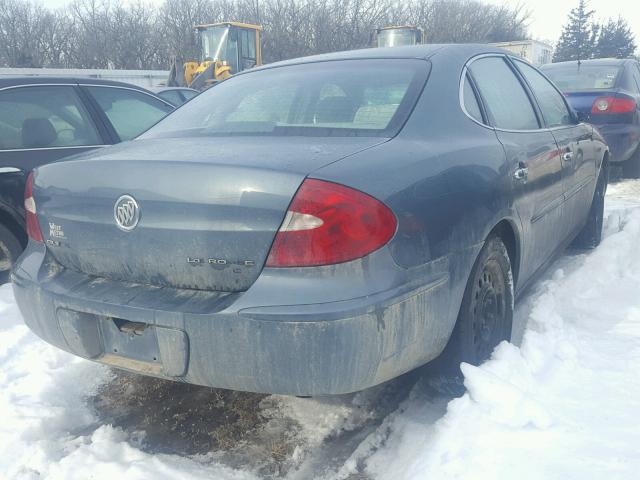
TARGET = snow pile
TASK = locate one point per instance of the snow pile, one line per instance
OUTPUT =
(46, 428)
(326, 417)
(565, 404)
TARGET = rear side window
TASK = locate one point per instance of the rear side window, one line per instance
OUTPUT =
(551, 102)
(44, 117)
(172, 96)
(505, 99)
(188, 94)
(129, 111)
(471, 104)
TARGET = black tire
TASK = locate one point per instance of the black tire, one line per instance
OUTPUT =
(631, 167)
(10, 250)
(485, 318)
(591, 235)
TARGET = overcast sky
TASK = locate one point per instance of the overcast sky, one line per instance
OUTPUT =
(547, 16)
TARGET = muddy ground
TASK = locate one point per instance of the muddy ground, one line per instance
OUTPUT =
(261, 433)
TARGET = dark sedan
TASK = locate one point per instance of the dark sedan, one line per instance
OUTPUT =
(606, 93)
(317, 226)
(44, 119)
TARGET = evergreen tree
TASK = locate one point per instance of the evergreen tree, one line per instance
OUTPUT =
(578, 39)
(615, 40)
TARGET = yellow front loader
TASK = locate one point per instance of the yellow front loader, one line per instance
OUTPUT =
(225, 48)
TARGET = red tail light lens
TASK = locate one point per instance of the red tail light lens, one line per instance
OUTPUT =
(613, 105)
(33, 225)
(329, 223)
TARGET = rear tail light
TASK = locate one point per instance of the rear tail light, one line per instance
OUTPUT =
(329, 223)
(33, 225)
(613, 105)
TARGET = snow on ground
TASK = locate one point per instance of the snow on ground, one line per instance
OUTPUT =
(563, 405)
(46, 429)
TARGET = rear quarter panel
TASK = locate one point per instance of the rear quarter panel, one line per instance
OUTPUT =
(444, 176)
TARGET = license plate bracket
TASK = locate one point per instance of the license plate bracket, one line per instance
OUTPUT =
(134, 340)
(137, 346)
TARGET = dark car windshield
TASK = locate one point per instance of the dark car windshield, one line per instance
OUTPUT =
(337, 98)
(572, 78)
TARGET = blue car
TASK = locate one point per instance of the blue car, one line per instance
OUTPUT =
(316, 226)
(606, 93)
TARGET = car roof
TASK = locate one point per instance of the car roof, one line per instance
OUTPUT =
(425, 52)
(603, 62)
(17, 80)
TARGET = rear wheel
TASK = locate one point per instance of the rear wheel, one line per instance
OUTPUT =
(10, 250)
(631, 168)
(485, 317)
(591, 235)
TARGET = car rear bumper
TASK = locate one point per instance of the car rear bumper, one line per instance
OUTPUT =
(215, 339)
(623, 140)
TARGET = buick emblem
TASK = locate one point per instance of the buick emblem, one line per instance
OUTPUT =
(126, 211)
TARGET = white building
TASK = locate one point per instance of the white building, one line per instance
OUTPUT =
(533, 51)
(142, 78)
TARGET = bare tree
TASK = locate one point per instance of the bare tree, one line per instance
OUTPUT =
(137, 34)
(21, 30)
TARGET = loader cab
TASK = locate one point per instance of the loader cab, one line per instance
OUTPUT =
(397, 36)
(236, 45)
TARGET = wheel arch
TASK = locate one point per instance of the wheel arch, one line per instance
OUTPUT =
(14, 225)
(506, 230)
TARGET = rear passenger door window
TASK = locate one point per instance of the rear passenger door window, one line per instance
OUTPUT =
(130, 112)
(507, 103)
(35, 117)
(470, 101)
(551, 102)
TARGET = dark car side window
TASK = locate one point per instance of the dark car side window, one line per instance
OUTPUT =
(470, 101)
(44, 117)
(505, 99)
(172, 96)
(130, 112)
(551, 102)
(188, 94)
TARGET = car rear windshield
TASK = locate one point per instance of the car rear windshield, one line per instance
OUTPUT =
(586, 77)
(337, 98)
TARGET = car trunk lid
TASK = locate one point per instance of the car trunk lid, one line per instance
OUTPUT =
(208, 210)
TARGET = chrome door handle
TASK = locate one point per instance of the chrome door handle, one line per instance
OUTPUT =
(9, 170)
(521, 174)
(567, 156)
